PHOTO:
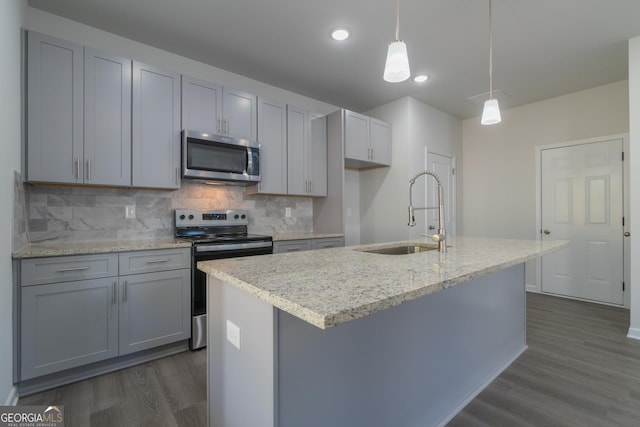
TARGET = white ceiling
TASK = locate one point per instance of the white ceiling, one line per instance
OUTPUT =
(542, 48)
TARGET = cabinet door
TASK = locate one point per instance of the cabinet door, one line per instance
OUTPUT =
(239, 111)
(286, 246)
(380, 141)
(201, 106)
(65, 325)
(54, 110)
(155, 309)
(356, 130)
(318, 156)
(298, 151)
(272, 134)
(107, 119)
(156, 132)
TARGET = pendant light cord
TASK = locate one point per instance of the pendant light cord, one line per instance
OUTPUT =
(490, 53)
(398, 20)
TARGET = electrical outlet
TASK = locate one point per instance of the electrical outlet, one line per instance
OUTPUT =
(233, 334)
(287, 212)
(130, 211)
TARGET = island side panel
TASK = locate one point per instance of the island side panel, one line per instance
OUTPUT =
(416, 364)
(240, 382)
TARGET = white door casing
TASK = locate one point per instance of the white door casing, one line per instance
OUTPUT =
(444, 167)
(582, 201)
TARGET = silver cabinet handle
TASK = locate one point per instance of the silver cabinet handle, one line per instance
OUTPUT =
(156, 261)
(547, 232)
(124, 291)
(88, 169)
(113, 293)
(219, 128)
(78, 167)
(62, 270)
(627, 234)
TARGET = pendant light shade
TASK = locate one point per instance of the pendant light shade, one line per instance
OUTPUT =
(491, 111)
(396, 68)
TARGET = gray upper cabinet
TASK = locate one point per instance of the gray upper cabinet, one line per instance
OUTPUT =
(107, 119)
(367, 141)
(209, 107)
(156, 127)
(272, 134)
(307, 154)
(201, 106)
(54, 110)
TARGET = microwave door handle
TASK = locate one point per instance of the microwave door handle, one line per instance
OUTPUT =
(249, 161)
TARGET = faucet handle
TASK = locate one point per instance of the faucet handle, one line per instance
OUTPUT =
(438, 237)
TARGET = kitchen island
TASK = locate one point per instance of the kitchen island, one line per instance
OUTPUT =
(345, 337)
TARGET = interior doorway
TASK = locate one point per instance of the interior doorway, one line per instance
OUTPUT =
(581, 199)
(444, 166)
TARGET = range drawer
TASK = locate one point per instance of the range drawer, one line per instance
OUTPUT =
(40, 271)
(156, 260)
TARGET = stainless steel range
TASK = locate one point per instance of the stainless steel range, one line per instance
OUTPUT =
(215, 235)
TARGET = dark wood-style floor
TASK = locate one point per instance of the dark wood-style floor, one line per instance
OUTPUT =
(579, 370)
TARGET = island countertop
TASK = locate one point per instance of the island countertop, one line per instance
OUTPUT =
(328, 287)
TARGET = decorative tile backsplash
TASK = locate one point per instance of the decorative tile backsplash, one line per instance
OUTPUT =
(58, 213)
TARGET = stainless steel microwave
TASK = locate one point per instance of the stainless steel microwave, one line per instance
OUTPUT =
(220, 158)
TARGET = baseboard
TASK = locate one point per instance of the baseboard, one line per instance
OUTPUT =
(12, 398)
(634, 333)
(530, 288)
(481, 387)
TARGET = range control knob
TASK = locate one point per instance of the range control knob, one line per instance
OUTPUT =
(182, 217)
(236, 216)
(190, 216)
(243, 216)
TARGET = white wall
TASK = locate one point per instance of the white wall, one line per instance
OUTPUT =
(11, 19)
(384, 192)
(73, 31)
(499, 161)
(634, 168)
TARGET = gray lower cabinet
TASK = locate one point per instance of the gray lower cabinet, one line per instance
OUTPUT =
(77, 310)
(154, 309)
(284, 246)
(65, 325)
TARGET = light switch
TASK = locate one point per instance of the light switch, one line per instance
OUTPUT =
(287, 212)
(130, 211)
(233, 334)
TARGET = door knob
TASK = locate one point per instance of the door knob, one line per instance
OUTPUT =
(431, 227)
(547, 232)
(627, 234)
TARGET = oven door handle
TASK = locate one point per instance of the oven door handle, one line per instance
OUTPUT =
(232, 246)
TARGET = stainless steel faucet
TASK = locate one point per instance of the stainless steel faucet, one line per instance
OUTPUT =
(441, 235)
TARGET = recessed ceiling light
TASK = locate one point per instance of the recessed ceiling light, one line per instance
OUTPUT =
(421, 78)
(340, 34)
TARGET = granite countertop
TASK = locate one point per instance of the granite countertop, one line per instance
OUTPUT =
(84, 248)
(328, 287)
(302, 236)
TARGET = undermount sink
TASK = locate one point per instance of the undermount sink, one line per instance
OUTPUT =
(402, 249)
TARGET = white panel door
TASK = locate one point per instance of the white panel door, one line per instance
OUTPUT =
(444, 167)
(582, 202)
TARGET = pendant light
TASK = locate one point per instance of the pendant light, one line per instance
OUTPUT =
(491, 111)
(396, 68)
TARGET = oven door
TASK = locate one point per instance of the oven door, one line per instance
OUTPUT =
(207, 252)
(219, 158)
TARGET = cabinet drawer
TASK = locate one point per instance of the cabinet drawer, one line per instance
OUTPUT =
(40, 271)
(285, 246)
(157, 260)
(328, 242)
